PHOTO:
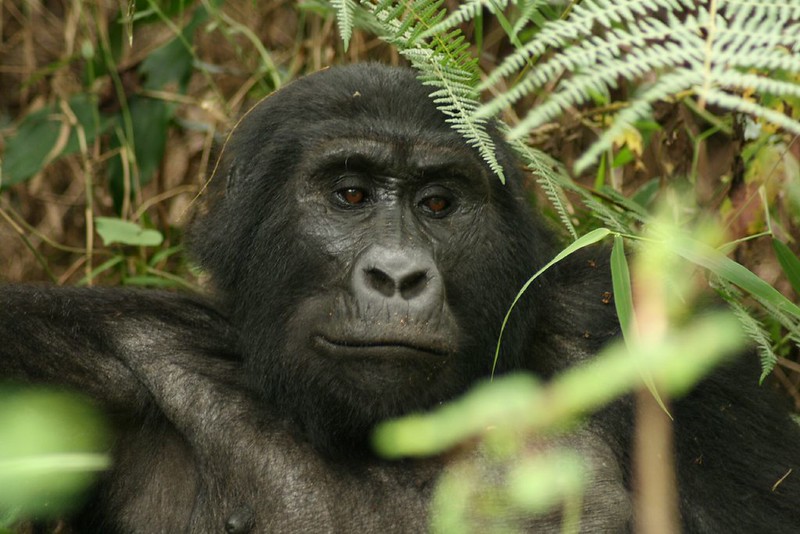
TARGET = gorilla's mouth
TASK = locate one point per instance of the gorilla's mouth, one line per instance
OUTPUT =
(377, 348)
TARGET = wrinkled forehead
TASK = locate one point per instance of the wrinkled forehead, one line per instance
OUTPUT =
(333, 112)
(392, 156)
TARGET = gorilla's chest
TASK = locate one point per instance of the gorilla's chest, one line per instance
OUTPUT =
(163, 483)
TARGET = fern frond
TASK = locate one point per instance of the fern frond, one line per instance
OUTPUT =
(753, 327)
(789, 321)
(444, 62)
(543, 168)
(559, 33)
(755, 331)
(640, 107)
(737, 103)
(466, 12)
(715, 50)
(759, 84)
(595, 60)
(528, 12)
(612, 218)
(345, 10)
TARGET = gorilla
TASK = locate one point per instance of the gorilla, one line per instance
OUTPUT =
(362, 258)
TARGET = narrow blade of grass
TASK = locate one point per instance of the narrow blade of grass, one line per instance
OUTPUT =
(589, 239)
(623, 301)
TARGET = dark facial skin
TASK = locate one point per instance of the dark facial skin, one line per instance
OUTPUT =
(383, 225)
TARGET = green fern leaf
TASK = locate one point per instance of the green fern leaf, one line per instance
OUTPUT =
(549, 176)
(716, 51)
(444, 62)
(465, 12)
(344, 19)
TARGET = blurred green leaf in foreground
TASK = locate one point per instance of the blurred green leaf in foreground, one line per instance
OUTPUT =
(51, 448)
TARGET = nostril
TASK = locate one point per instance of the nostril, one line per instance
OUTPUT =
(413, 285)
(400, 280)
(380, 281)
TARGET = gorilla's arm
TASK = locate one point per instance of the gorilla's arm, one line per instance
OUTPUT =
(71, 337)
(737, 449)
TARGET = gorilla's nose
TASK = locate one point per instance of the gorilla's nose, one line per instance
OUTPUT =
(406, 278)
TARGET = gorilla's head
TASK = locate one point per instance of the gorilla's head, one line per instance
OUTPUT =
(365, 252)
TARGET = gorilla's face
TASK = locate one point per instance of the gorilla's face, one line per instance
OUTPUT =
(394, 224)
(367, 253)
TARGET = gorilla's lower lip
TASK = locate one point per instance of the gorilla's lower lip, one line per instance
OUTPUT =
(378, 349)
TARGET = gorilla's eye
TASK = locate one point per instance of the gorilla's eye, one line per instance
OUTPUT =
(436, 201)
(436, 205)
(351, 196)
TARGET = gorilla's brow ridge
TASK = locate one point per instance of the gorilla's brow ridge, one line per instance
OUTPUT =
(383, 157)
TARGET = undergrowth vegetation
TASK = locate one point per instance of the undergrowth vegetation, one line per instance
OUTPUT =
(665, 126)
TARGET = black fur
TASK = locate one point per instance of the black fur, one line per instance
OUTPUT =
(251, 411)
